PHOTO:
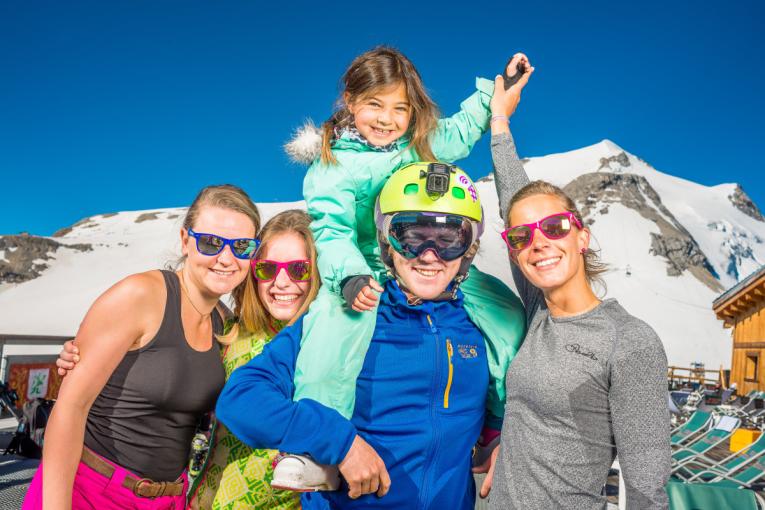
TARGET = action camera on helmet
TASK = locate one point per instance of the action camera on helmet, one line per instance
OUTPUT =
(437, 178)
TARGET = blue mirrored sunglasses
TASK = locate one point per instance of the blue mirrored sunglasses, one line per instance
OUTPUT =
(211, 244)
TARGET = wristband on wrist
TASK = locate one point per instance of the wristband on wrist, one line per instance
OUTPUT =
(499, 118)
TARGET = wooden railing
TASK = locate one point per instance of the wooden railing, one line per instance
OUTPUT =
(702, 376)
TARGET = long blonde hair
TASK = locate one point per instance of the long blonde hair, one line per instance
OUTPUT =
(593, 267)
(253, 316)
(370, 72)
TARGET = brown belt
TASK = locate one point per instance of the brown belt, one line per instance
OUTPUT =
(143, 488)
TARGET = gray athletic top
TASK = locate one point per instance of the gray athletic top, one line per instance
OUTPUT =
(581, 390)
(146, 414)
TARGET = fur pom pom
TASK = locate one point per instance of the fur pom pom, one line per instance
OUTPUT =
(305, 146)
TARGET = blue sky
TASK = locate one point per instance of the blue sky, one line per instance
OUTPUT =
(110, 106)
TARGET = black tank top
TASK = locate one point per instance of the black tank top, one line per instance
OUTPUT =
(145, 417)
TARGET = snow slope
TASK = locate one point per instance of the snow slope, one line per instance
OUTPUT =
(679, 308)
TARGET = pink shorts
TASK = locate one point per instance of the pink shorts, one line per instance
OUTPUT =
(93, 491)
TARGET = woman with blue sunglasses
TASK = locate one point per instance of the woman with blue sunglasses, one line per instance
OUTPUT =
(589, 381)
(282, 286)
(150, 367)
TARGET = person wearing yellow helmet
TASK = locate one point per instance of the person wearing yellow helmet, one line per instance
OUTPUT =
(421, 395)
(430, 206)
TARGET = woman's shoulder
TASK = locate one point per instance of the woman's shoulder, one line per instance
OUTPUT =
(147, 288)
(143, 284)
(632, 333)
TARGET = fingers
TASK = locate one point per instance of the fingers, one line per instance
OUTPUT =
(499, 82)
(369, 294)
(364, 470)
(67, 358)
(384, 482)
(525, 78)
(485, 487)
(367, 482)
(512, 69)
(375, 286)
(354, 490)
(70, 347)
(487, 482)
(512, 66)
(366, 299)
(65, 364)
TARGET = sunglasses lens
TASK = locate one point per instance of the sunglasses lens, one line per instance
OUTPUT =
(556, 226)
(244, 248)
(299, 271)
(519, 237)
(209, 244)
(265, 270)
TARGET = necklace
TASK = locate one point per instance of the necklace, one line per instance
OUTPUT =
(186, 293)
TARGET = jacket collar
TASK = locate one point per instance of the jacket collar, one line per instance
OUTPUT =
(349, 141)
(395, 297)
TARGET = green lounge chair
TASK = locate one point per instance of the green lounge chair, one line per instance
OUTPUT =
(722, 430)
(704, 469)
(696, 424)
(748, 474)
(694, 496)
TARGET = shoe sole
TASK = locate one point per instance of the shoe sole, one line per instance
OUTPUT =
(302, 489)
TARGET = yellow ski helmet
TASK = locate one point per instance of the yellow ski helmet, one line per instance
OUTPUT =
(430, 187)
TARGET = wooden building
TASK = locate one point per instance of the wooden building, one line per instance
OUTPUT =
(742, 307)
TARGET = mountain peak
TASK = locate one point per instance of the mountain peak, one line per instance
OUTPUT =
(609, 147)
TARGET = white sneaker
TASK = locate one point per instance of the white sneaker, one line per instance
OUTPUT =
(301, 473)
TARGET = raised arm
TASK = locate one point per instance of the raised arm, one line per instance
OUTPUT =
(509, 175)
(455, 136)
(102, 343)
(640, 415)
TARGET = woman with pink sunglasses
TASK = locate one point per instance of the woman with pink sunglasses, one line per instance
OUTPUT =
(589, 381)
(282, 285)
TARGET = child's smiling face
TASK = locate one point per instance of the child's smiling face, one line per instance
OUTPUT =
(382, 117)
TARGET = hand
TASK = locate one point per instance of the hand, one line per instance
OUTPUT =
(366, 299)
(67, 358)
(487, 467)
(364, 470)
(504, 102)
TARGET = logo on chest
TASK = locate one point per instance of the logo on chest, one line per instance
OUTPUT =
(467, 351)
(578, 349)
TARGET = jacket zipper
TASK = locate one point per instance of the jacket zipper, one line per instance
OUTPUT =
(434, 446)
(450, 353)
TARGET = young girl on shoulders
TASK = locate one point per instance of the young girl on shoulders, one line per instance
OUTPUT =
(384, 120)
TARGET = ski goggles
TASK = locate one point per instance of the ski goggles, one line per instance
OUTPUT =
(267, 270)
(211, 244)
(413, 233)
(555, 226)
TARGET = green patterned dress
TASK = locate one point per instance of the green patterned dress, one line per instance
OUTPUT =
(235, 476)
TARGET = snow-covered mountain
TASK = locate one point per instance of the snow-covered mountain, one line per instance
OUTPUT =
(673, 246)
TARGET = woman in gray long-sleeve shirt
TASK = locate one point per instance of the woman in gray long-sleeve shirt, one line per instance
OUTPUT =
(589, 381)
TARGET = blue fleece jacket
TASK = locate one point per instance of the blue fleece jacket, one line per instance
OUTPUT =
(420, 403)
